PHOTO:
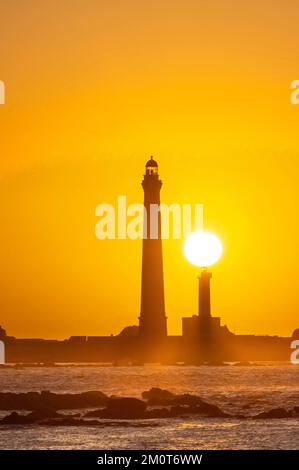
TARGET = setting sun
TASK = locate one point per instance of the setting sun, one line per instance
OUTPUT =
(203, 249)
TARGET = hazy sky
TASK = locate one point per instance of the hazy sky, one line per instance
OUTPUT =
(92, 89)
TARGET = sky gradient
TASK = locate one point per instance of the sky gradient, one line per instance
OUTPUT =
(93, 88)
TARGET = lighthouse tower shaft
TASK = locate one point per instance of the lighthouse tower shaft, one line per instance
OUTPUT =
(152, 320)
(204, 296)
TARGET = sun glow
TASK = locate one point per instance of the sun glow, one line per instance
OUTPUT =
(202, 249)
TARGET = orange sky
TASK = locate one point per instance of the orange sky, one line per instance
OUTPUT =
(95, 87)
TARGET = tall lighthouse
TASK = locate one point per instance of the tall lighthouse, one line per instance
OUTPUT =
(152, 320)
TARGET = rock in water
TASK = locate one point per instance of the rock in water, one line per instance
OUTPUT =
(44, 413)
(95, 413)
(15, 418)
(158, 396)
(157, 413)
(124, 408)
(275, 413)
(187, 399)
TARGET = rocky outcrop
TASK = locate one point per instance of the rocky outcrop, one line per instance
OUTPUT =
(187, 399)
(278, 413)
(37, 400)
(15, 418)
(120, 408)
(157, 413)
(158, 396)
(275, 413)
(182, 404)
(205, 410)
(132, 408)
(44, 413)
(157, 403)
(31, 418)
(124, 408)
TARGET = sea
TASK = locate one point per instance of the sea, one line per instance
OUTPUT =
(237, 389)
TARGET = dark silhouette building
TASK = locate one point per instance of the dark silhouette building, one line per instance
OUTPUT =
(203, 337)
(203, 331)
(152, 320)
